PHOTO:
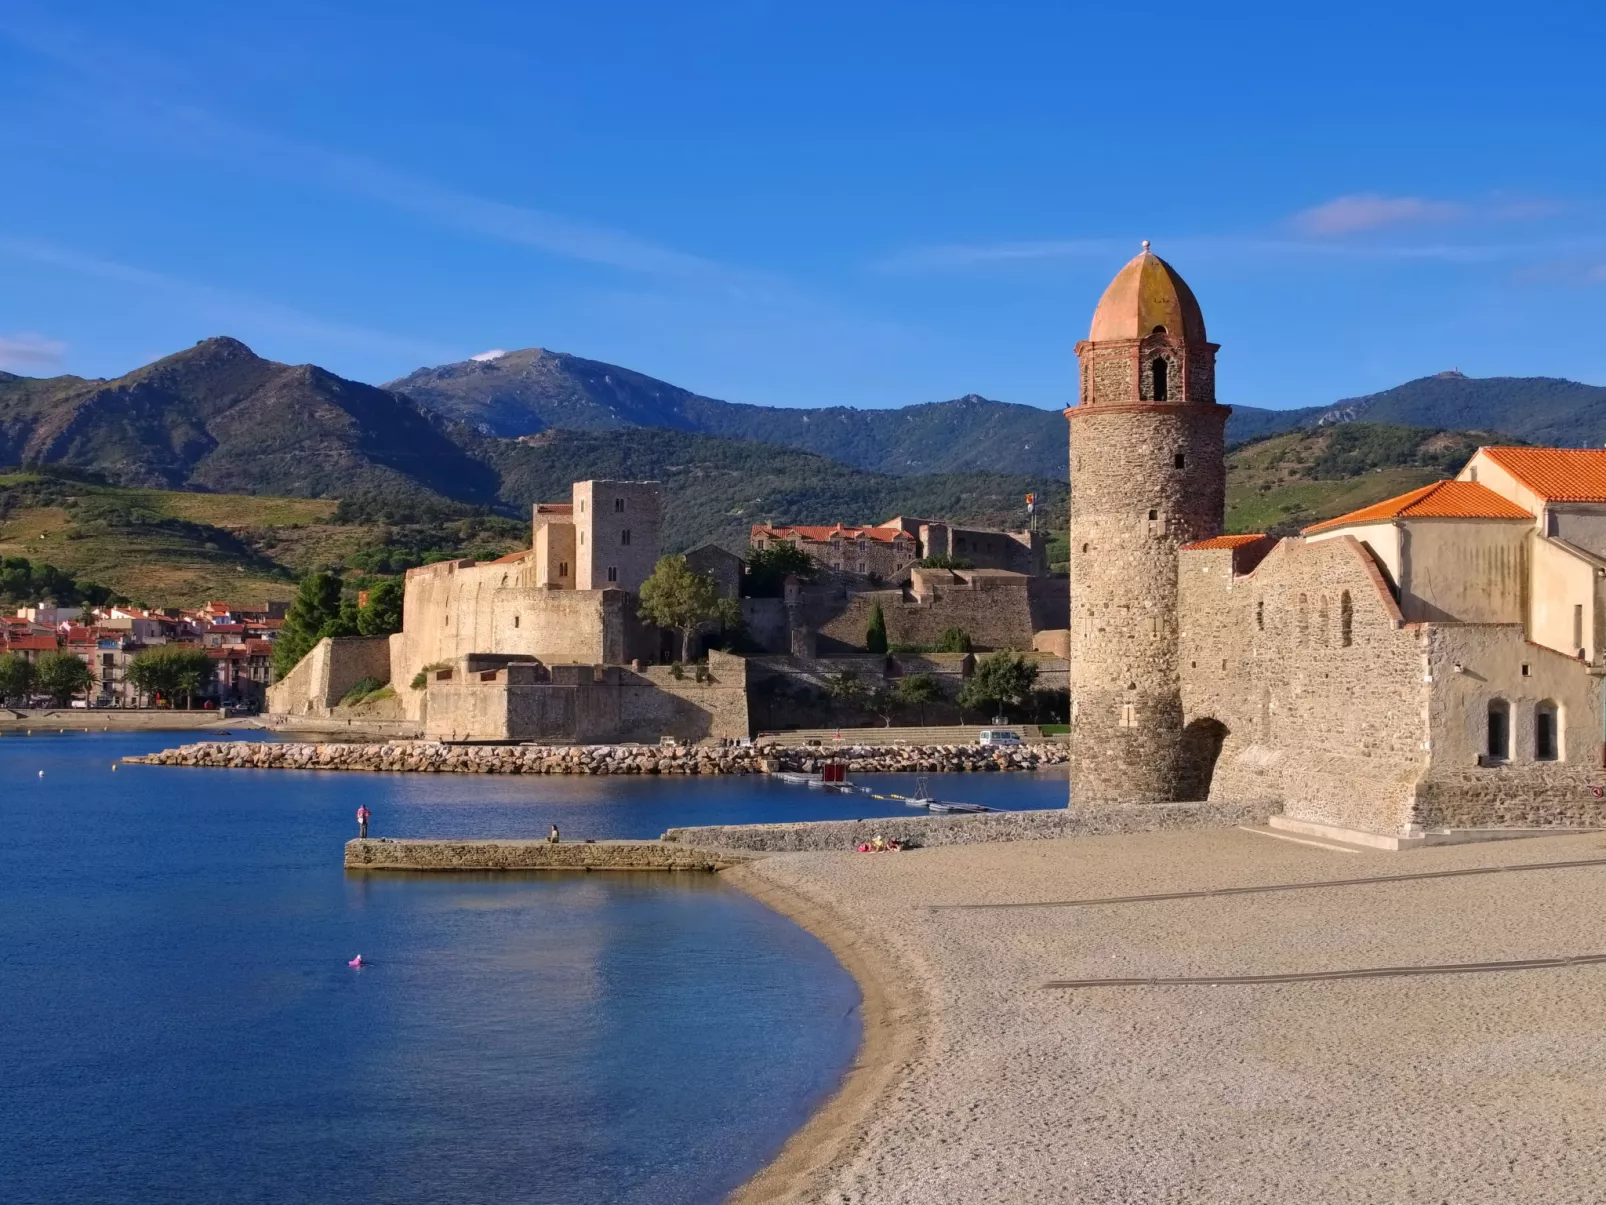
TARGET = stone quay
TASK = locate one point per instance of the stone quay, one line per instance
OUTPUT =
(430, 757)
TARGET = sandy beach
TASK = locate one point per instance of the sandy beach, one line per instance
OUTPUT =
(978, 1082)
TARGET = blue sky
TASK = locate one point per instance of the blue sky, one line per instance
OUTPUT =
(805, 204)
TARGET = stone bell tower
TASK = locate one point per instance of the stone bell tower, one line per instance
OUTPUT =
(1148, 474)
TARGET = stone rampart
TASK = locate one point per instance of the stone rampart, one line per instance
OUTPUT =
(926, 830)
(333, 666)
(384, 853)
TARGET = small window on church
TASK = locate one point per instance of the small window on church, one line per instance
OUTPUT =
(1499, 731)
(1153, 514)
(1472, 474)
(1159, 330)
(1260, 615)
(563, 568)
(1547, 746)
(1084, 547)
(515, 621)
(1158, 368)
(1178, 461)
(1346, 620)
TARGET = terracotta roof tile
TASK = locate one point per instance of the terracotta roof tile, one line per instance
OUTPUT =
(1223, 542)
(1556, 474)
(821, 534)
(513, 556)
(1441, 500)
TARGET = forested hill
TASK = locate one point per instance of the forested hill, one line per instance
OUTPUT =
(525, 392)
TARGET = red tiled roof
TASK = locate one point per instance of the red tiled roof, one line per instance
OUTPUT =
(1223, 542)
(823, 535)
(513, 556)
(259, 648)
(1556, 474)
(1441, 500)
(43, 644)
(554, 508)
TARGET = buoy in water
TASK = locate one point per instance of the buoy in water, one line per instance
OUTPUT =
(355, 962)
(41, 774)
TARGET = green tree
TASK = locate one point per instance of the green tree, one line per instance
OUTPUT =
(875, 638)
(171, 670)
(677, 596)
(383, 614)
(316, 606)
(944, 562)
(61, 676)
(846, 688)
(954, 640)
(918, 691)
(16, 676)
(1001, 683)
(768, 569)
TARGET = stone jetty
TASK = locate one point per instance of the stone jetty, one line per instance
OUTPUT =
(433, 757)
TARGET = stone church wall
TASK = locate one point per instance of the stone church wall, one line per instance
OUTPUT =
(1317, 703)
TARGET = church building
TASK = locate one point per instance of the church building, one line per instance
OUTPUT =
(1412, 672)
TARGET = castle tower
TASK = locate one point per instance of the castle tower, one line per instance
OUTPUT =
(1148, 474)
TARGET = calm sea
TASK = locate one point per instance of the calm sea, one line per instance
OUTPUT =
(178, 1023)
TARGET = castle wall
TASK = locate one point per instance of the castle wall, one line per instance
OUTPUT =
(1332, 727)
(993, 607)
(321, 679)
(456, 607)
(1144, 480)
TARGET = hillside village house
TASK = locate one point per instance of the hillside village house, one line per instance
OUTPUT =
(888, 550)
(239, 640)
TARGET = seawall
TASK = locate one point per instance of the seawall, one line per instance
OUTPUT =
(429, 757)
(921, 830)
(383, 853)
(113, 719)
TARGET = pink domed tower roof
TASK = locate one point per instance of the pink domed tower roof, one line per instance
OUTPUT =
(1145, 295)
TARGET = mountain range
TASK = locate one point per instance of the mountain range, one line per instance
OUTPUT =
(499, 433)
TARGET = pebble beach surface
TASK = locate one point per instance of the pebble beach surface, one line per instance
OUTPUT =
(978, 1083)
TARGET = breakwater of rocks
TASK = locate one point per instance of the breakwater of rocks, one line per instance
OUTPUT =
(433, 757)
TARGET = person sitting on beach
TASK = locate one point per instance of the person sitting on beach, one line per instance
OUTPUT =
(552, 837)
(878, 843)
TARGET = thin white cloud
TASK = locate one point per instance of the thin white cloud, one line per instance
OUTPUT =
(1359, 212)
(953, 256)
(28, 351)
(496, 353)
(221, 308)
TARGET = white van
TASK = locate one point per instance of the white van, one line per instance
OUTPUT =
(997, 736)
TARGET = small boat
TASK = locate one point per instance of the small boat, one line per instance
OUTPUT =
(958, 807)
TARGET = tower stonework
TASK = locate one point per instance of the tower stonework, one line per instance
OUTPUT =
(1148, 474)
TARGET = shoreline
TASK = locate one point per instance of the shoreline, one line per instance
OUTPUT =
(894, 1020)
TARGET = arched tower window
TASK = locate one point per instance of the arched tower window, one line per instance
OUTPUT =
(1547, 731)
(1499, 743)
(1346, 620)
(1158, 369)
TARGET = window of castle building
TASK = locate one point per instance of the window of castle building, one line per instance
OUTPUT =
(1084, 547)
(624, 537)
(1129, 716)
(1260, 615)
(582, 506)
(515, 621)
(1346, 620)
(1547, 732)
(563, 568)
(1578, 628)
(1498, 747)
(619, 504)
(582, 537)
(1158, 369)
(613, 573)
(1524, 669)
(1179, 461)
(1153, 514)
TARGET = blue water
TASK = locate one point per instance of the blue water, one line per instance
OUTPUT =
(177, 1022)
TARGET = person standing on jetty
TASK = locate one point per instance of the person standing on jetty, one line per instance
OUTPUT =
(362, 820)
(552, 837)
